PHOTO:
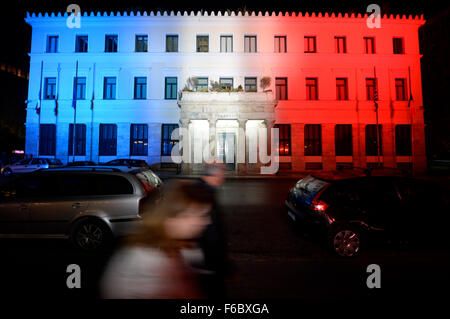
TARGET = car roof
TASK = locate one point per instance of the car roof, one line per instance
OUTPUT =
(83, 168)
(351, 174)
(99, 168)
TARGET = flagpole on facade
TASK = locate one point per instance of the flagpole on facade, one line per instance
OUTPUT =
(38, 109)
(411, 112)
(375, 99)
(74, 105)
(57, 107)
(92, 111)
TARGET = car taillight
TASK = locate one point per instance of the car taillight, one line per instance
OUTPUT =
(319, 206)
(147, 187)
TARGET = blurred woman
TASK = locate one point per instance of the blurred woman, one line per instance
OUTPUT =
(150, 264)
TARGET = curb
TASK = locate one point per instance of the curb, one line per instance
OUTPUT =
(232, 177)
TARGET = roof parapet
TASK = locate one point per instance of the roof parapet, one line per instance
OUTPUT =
(312, 15)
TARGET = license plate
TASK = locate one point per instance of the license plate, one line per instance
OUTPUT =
(291, 215)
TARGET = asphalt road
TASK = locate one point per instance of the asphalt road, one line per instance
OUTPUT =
(275, 261)
(271, 259)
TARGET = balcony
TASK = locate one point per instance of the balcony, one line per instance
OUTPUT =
(227, 105)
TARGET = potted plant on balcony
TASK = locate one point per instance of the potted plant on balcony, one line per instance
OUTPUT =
(215, 86)
(265, 83)
(240, 89)
(191, 84)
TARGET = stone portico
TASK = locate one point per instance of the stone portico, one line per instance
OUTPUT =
(224, 125)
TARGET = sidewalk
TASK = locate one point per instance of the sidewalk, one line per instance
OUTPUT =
(432, 175)
(167, 174)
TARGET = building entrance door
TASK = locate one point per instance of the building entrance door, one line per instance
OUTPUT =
(226, 149)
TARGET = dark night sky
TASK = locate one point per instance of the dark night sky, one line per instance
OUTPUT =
(15, 34)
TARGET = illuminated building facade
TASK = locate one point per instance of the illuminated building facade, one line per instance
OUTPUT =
(327, 74)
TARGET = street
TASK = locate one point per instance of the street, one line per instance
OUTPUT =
(270, 259)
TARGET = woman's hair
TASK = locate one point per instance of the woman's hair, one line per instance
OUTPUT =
(151, 231)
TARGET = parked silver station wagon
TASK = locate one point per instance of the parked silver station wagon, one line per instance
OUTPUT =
(87, 205)
(28, 165)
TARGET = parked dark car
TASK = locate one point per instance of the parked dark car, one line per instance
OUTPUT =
(81, 163)
(88, 205)
(349, 210)
(127, 162)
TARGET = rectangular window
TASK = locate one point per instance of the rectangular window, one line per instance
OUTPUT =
(80, 139)
(171, 43)
(400, 89)
(171, 88)
(141, 43)
(403, 142)
(280, 44)
(226, 83)
(202, 43)
(284, 131)
(111, 43)
(140, 88)
(109, 88)
(369, 45)
(226, 43)
(81, 43)
(79, 87)
(139, 139)
(167, 140)
(49, 88)
(311, 89)
(343, 140)
(313, 140)
(371, 89)
(47, 139)
(250, 85)
(371, 140)
(250, 43)
(398, 45)
(202, 83)
(341, 45)
(310, 44)
(281, 88)
(108, 140)
(341, 89)
(52, 44)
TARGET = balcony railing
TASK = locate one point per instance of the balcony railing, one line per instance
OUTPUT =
(227, 97)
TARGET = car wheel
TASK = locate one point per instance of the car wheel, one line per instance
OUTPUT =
(346, 242)
(91, 235)
(7, 172)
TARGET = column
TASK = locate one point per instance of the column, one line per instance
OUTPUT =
(212, 138)
(269, 125)
(241, 149)
(184, 142)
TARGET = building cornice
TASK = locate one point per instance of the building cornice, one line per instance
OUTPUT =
(162, 15)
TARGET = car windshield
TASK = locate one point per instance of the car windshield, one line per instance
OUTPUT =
(23, 162)
(53, 161)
